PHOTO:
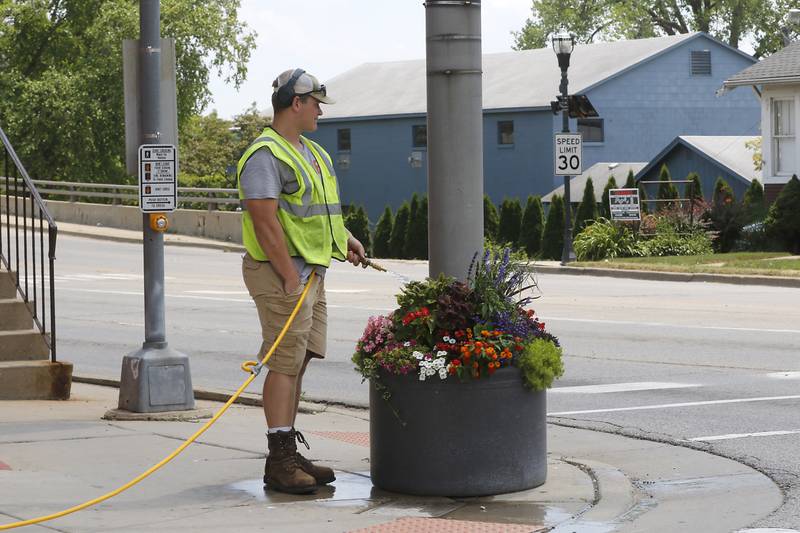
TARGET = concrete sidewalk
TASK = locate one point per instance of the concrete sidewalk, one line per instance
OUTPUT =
(54, 455)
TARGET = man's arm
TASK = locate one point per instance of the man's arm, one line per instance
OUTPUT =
(269, 233)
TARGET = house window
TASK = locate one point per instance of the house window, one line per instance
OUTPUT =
(591, 129)
(343, 140)
(783, 143)
(505, 132)
(701, 62)
(419, 136)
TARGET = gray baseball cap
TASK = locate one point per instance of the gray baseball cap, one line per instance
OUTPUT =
(306, 84)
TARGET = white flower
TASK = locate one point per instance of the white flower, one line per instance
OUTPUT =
(452, 341)
(417, 355)
(422, 376)
(446, 338)
(442, 373)
(441, 353)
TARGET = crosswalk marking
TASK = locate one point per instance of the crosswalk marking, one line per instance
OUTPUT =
(622, 387)
(674, 405)
(745, 435)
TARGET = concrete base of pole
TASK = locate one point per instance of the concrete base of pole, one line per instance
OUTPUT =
(156, 379)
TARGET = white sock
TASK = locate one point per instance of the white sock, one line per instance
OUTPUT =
(281, 428)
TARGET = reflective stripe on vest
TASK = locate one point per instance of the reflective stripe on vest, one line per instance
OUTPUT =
(313, 228)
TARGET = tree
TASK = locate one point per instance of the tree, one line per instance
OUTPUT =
(491, 219)
(62, 104)
(510, 222)
(723, 194)
(630, 181)
(397, 242)
(553, 236)
(696, 186)
(358, 223)
(643, 197)
(530, 238)
(587, 209)
(205, 145)
(416, 245)
(605, 208)
(783, 219)
(754, 196)
(666, 189)
(383, 232)
(731, 21)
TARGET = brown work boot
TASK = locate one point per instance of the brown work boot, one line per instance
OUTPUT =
(322, 474)
(281, 470)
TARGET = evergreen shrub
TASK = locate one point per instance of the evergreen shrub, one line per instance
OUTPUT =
(530, 239)
(383, 233)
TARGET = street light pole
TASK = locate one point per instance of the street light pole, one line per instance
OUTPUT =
(563, 45)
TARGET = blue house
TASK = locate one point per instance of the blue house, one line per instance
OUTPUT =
(711, 157)
(646, 91)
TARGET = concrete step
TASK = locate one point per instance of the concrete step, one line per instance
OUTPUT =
(35, 380)
(23, 345)
(8, 288)
(15, 315)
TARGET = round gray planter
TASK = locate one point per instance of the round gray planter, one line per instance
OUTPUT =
(475, 438)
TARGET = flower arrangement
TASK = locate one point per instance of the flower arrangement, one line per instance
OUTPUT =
(445, 328)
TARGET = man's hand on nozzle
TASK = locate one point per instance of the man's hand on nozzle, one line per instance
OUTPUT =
(355, 252)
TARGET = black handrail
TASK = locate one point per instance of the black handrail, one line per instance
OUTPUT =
(17, 187)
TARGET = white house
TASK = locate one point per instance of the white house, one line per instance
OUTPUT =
(776, 80)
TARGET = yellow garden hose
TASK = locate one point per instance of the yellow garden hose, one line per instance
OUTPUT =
(249, 366)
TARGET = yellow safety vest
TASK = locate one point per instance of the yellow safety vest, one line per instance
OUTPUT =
(311, 216)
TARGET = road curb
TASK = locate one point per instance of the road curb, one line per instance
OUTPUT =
(225, 247)
(770, 281)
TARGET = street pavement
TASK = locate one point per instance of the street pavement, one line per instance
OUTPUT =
(693, 367)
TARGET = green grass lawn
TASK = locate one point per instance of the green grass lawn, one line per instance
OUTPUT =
(761, 263)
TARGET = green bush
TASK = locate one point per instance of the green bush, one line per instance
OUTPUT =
(696, 186)
(530, 239)
(727, 221)
(630, 181)
(643, 203)
(491, 219)
(783, 219)
(397, 242)
(669, 241)
(540, 363)
(723, 194)
(666, 191)
(383, 232)
(604, 240)
(416, 245)
(587, 209)
(496, 249)
(553, 236)
(357, 222)
(510, 221)
(605, 208)
(754, 202)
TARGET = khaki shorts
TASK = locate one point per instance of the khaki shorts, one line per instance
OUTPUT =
(309, 329)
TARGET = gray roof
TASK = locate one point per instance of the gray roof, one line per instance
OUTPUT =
(523, 79)
(728, 151)
(599, 172)
(781, 67)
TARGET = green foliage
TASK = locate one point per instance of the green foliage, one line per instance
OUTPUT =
(604, 239)
(783, 219)
(540, 363)
(510, 221)
(491, 219)
(553, 236)
(674, 238)
(723, 194)
(499, 281)
(416, 245)
(666, 191)
(383, 232)
(727, 221)
(530, 239)
(754, 201)
(205, 146)
(605, 208)
(731, 21)
(357, 222)
(630, 181)
(587, 209)
(495, 248)
(643, 203)
(696, 186)
(397, 242)
(62, 104)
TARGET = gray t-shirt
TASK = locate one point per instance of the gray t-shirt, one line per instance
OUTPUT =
(265, 176)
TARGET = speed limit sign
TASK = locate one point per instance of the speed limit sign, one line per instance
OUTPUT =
(568, 154)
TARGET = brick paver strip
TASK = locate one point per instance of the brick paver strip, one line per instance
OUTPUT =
(351, 437)
(439, 525)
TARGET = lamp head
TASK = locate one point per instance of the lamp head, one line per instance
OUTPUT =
(793, 17)
(563, 43)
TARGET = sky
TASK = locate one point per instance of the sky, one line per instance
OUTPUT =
(328, 37)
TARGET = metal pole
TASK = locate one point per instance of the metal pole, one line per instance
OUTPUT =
(568, 253)
(150, 69)
(155, 378)
(455, 135)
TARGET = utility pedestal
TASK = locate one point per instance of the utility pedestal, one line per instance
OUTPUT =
(155, 379)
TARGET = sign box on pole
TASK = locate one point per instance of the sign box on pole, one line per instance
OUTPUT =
(158, 186)
(624, 204)
(568, 154)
